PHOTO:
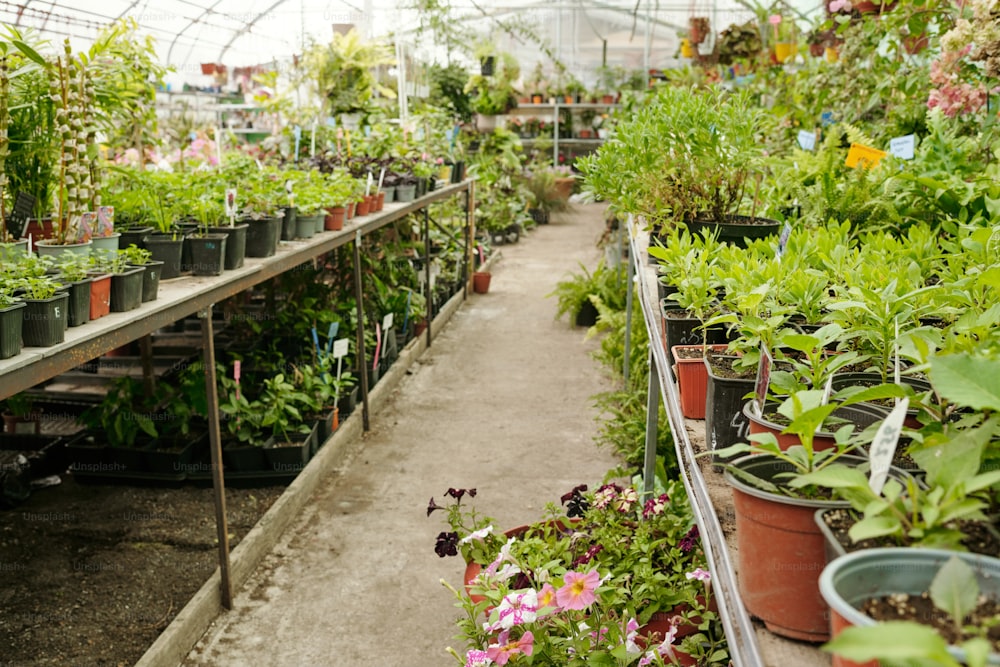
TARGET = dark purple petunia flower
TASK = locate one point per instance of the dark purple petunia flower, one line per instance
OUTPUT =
(447, 544)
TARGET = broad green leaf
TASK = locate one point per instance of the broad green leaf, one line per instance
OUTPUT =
(800, 342)
(833, 477)
(955, 589)
(983, 481)
(977, 652)
(956, 460)
(892, 640)
(969, 381)
(876, 526)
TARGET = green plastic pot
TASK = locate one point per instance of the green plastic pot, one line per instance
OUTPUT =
(850, 580)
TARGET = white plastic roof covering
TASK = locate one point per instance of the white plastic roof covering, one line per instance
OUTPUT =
(250, 32)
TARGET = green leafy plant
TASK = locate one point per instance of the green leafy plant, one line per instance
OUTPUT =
(124, 413)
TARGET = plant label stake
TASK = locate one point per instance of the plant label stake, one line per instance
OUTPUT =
(378, 345)
(17, 223)
(297, 131)
(387, 321)
(883, 448)
(786, 232)
(381, 177)
(236, 376)
(368, 185)
(895, 352)
(339, 352)
(763, 380)
(231, 205)
(903, 147)
(331, 335)
(866, 156)
(807, 140)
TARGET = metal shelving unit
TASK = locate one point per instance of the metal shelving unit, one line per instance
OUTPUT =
(555, 109)
(187, 296)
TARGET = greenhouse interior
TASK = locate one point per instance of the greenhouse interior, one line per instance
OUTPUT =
(292, 289)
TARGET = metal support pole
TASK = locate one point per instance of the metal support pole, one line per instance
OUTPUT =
(146, 357)
(467, 259)
(215, 443)
(360, 333)
(629, 295)
(652, 424)
(427, 276)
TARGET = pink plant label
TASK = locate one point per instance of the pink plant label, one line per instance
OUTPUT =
(105, 221)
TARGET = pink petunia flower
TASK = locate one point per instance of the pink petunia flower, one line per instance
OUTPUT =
(578, 589)
(517, 609)
(699, 574)
(547, 597)
(477, 658)
(840, 5)
(631, 633)
(504, 649)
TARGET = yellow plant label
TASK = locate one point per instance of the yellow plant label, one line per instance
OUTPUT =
(864, 155)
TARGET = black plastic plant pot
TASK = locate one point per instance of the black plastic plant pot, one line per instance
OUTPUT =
(236, 244)
(262, 237)
(171, 456)
(208, 254)
(134, 236)
(737, 229)
(187, 228)
(79, 302)
(151, 280)
(725, 423)
(45, 320)
(457, 171)
(11, 319)
(487, 65)
(126, 289)
(348, 402)
(169, 249)
(288, 223)
(246, 458)
(290, 456)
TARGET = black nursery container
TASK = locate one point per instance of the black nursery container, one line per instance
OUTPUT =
(262, 237)
(11, 341)
(126, 289)
(79, 303)
(45, 320)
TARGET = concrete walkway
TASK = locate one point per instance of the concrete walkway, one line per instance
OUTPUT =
(500, 402)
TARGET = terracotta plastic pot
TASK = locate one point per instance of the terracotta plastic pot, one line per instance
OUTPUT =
(862, 415)
(335, 218)
(361, 209)
(481, 282)
(692, 379)
(781, 553)
(100, 296)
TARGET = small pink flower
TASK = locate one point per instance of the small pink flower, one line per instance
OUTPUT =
(504, 649)
(578, 589)
(477, 658)
(517, 609)
(840, 5)
(774, 19)
(631, 632)
(626, 499)
(547, 597)
(699, 574)
(654, 506)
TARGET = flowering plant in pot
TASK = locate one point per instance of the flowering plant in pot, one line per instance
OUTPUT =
(609, 577)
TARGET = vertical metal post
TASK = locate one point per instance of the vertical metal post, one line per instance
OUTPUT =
(467, 259)
(652, 424)
(146, 357)
(629, 296)
(427, 277)
(215, 444)
(359, 341)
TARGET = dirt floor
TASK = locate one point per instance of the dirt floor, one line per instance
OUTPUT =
(501, 402)
(91, 574)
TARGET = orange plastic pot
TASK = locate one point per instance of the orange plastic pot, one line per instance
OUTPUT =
(692, 379)
(380, 200)
(862, 415)
(781, 552)
(334, 220)
(481, 282)
(362, 207)
(100, 296)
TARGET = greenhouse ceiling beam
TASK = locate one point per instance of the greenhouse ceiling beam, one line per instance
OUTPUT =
(195, 21)
(249, 25)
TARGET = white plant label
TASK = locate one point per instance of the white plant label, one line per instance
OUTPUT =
(903, 147)
(827, 390)
(387, 322)
(786, 233)
(763, 380)
(883, 448)
(340, 348)
(807, 140)
(230, 202)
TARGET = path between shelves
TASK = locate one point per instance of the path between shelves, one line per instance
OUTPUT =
(500, 402)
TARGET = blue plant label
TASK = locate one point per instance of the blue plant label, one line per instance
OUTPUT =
(368, 130)
(340, 348)
(331, 121)
(826, 118)
(786, 233)
(807, 140)
(883, 447)
(297, 131)
(763, 380)
(903, 147)
(387, 322)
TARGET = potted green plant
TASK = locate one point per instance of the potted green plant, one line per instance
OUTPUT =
(739, 43)
(74, 273)
(11, 319)
(211, 212)
(45, 311)
(607, 571)
(20, 414)
(775, 527)
(126, 280)
(136, 256)
(166, 243)
(282, 405)
(208, 248)
(121, 422)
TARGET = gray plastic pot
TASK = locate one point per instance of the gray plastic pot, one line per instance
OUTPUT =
(850, 580)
